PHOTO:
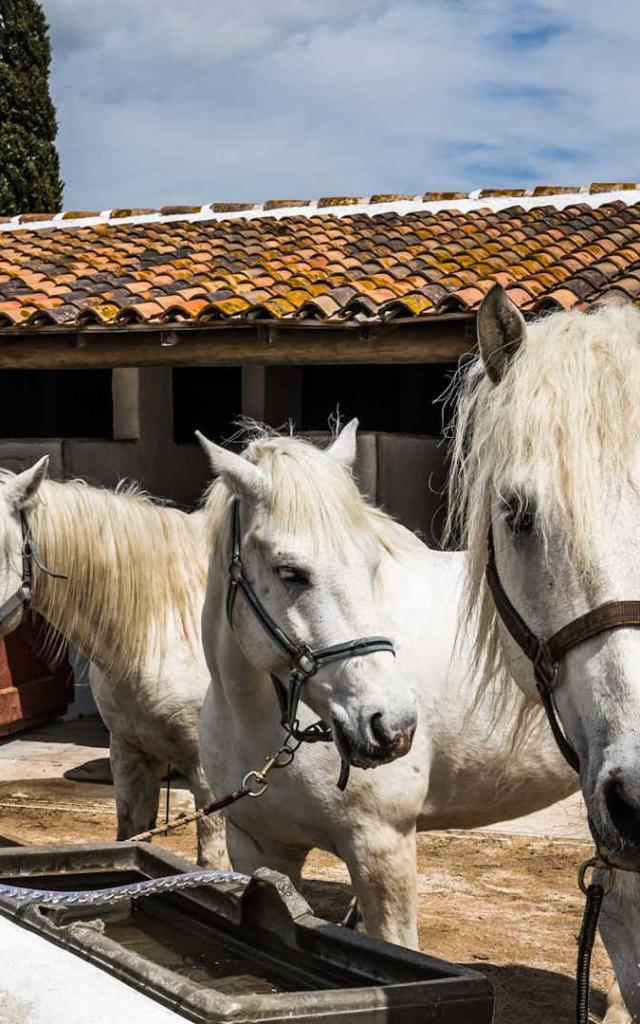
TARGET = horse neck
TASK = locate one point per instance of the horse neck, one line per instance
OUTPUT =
(132, 568)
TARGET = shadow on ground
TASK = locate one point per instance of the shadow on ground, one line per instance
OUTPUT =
(84, 732)
(98, 772)
(524, 995)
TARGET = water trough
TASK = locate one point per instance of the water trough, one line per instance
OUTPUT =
(233, 952)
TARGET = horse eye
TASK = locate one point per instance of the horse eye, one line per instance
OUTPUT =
(519, 515)
(292, 574)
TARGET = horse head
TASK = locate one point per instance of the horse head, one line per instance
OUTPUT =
(547, 466)
(311, 554)
(18, 495)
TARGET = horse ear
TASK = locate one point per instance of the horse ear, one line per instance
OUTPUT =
(343, 449)
(237, 471)
(20, 490)
(501, 330)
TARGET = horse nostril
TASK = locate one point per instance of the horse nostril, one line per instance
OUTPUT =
(624, 814)
(378, 730)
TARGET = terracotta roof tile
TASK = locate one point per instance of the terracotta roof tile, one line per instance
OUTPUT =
(612, 187)
(338, 201)
(630, 285)
(559, 297)
(412, 304)
(339, 258)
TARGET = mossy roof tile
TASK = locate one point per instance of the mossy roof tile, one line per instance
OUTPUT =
(337, 258)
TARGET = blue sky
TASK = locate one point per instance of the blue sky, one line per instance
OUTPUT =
(163, 102)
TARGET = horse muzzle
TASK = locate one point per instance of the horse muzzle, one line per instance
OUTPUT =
(375, 744)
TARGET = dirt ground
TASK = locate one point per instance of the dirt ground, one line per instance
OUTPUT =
(506, 905)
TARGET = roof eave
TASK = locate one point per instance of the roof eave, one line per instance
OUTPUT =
(427, 340)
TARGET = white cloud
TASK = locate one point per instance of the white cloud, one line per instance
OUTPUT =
(161, 102)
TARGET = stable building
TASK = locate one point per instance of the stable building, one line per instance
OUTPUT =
(123, 331)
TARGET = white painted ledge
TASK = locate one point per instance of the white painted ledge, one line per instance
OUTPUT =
(558, 200)
(43, 984)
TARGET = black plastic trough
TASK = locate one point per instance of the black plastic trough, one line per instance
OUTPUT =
(228, 953)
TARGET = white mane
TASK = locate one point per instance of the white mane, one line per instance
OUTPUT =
(133, 567)
(565, 415)
(311, 492)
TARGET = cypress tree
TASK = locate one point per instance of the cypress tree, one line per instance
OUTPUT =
(29, 167)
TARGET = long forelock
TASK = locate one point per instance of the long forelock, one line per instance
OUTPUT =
(563, 423)
(311, 493)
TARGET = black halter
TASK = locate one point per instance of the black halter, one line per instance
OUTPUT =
(303, 662)
(21, 598)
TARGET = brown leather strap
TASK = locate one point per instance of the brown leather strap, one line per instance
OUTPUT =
(536, 650)
(612, 615)
(546, 655)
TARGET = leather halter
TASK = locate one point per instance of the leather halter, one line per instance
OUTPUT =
(303, 661)
(546, 655)
(21, 598)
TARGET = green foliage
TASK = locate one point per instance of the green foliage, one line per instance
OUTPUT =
(29, 167)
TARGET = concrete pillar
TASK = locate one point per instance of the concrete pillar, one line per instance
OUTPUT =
(125, 390)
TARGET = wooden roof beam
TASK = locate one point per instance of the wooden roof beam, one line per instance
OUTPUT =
(225, 345)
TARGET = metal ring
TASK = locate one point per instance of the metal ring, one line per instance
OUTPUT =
(284, 757)
(545, 669)
(254, 777)
(595, 864)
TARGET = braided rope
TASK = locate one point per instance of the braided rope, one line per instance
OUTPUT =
(120, 893)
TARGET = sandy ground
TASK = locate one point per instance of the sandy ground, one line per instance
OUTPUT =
(504, 900)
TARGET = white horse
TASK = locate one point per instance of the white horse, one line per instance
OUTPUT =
(131, 604)
(547, 453)
(328, 568)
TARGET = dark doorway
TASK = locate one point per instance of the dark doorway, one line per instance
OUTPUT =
(56, 403)
(206, 398)
(390, 398)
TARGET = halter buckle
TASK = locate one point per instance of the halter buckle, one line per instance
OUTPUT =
(304, 663)
(545, 669)
(235, 571)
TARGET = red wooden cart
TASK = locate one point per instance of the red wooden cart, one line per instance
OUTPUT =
(32, 688)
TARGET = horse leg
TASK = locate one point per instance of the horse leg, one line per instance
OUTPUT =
(382, 865)
(212, 843)
(616, 1012)
(247, 854)
(136, 778)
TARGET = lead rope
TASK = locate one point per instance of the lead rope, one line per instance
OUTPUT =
(254, 784)
(167, 806)
(594, 893)
(586, 939)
